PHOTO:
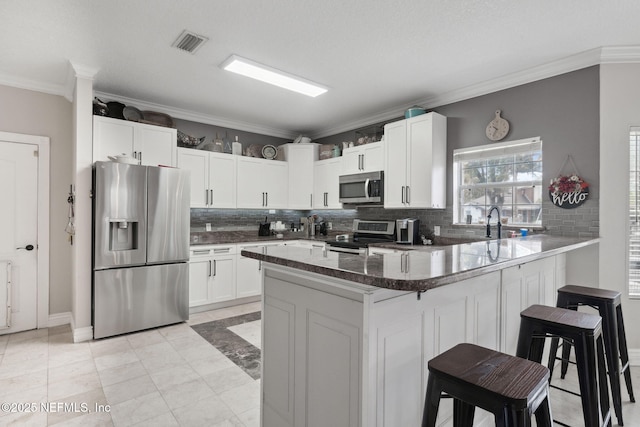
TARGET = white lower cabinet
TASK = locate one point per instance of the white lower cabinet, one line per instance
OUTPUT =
(219, 273)
(249, 271)
(522, 286)
(212, 274)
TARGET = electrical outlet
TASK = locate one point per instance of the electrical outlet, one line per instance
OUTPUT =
(272, 211)
(207, 226)
(436, 230)
(330, 226)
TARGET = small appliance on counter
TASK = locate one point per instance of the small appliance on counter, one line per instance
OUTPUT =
(408, 231)
(264, 228)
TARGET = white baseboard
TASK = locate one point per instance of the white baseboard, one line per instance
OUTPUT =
(59, 319)
(81, 334)
(634, 357)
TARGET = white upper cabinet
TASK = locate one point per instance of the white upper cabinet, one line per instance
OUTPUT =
(152, 145)
(363, 158)
(213, 177)
(300, 158)
(325, 184)
(262, 183)
(415, 162)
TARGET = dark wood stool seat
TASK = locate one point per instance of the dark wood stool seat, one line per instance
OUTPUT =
(607, 302)
(510, 387)
(585, 332)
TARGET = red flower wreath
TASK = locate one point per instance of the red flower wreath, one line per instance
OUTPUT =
(567, 184)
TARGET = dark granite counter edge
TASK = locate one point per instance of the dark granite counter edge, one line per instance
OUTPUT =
(414, 285)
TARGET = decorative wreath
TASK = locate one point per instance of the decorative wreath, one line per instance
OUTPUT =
(568, 184)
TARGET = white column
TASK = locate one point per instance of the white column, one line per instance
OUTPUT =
(82, 162)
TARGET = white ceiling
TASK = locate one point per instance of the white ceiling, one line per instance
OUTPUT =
(378, 57)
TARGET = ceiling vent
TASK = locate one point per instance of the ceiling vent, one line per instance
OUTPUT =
(189, 42)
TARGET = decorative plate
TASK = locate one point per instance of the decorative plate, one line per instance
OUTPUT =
(269, 152)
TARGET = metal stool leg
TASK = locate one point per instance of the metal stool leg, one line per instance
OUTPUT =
(585, 359)
(624, 352)
(432, 403)
(602, 386)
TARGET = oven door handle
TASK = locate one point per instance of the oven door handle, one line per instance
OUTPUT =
(366, 189)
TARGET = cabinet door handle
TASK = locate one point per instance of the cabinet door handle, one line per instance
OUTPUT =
(206, 196)
(402, 195)
(263, 199)
(201, 252)
(311, 200)
(210, 269)
(259, 265)
(211, 197)
(408, 195)
(267, 199)
(140, 157)
(363, 162)
(135, 154)
(326, 199)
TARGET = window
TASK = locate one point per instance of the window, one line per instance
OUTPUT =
(634, 212)
(507, 175)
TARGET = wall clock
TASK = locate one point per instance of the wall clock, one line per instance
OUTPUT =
(497, 128)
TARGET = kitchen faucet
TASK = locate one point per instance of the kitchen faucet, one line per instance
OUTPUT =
(489, 222)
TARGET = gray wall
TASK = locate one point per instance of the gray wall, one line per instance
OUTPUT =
(36, 113)
(562, 110)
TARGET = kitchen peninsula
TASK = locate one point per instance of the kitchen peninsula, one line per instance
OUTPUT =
(346, 338)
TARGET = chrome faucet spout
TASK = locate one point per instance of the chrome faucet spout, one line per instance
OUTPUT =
(499, 226)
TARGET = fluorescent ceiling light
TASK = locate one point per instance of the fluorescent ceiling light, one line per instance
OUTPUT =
(266, 74)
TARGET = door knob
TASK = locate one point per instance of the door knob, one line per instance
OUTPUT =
(28, 247)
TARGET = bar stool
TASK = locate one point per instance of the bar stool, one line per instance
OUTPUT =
(585, 332)
(607, 303)
(510, 387)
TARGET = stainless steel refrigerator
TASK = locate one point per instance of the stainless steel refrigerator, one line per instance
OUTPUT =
(140, 247)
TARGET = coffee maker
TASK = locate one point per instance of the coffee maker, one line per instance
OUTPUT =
(408, 231)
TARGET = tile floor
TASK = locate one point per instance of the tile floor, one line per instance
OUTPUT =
(168, 376)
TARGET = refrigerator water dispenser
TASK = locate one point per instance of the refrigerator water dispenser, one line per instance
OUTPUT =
(123, 235)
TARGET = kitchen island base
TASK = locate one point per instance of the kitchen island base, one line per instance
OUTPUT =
(346, 354)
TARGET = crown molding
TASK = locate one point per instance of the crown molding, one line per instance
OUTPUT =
(178, 113)
(551, 69)
(33, 85)
(620, 55)
(74, 72)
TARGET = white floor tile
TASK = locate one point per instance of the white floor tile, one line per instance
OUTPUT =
(173, 376)
(164, 420)
(73, 385)
(186, 393)
(121, 373)
(127, 390)
(242, 399)
(250, 418)
(227, 379)
(205, 412)
(137, 410)
(115, 359)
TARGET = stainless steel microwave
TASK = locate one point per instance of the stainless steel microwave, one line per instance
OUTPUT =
(362, 188)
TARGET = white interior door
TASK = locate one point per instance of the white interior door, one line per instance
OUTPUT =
(18, 241)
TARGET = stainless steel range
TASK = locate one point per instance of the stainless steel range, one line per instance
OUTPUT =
(365, 232)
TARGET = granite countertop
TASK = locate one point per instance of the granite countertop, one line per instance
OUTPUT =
(244, 236)
(424, 267)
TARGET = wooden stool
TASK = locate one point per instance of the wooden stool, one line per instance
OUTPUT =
(585, 332)
(607, 303)
(510, 387)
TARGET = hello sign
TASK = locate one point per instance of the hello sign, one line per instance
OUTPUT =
(569, 200)
(568, 191)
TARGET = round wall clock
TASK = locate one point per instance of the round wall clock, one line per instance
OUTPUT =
(497, 128)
